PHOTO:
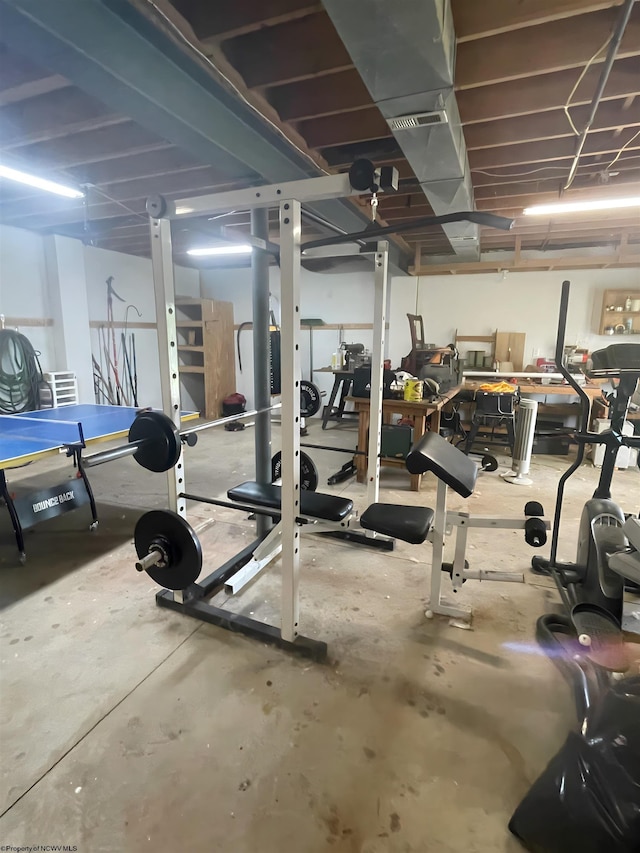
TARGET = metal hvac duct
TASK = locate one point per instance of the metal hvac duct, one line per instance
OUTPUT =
(405, 54)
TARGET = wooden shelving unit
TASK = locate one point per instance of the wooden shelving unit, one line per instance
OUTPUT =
(617, 299)
(206, 351)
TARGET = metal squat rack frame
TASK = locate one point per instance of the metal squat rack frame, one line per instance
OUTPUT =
(288, 197)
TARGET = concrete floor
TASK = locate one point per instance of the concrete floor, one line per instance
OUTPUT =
(125, 727)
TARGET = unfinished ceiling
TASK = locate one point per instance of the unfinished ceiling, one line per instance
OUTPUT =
(516, 65)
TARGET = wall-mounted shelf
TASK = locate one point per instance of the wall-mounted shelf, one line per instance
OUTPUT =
(613, 299)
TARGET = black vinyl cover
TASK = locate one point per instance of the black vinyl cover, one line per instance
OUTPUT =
(312, 504)
(587, 800)
(434, 453)
(409, 523)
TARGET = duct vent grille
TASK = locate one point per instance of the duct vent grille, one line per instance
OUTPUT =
(410, 122)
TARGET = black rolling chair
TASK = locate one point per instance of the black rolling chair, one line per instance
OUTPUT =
(493, 410)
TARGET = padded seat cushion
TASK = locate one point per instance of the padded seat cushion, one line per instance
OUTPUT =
(312, 504)
(409, 523)
(448, 463)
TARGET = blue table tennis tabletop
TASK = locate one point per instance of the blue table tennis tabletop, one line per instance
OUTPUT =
(25, 436)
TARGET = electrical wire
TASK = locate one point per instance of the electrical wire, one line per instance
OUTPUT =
(519, 174)
(20, 374)
(579, 80)
(624, 147)
(232, 85)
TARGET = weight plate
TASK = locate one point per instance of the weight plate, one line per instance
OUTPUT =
(309, 399)
(489, 463)
(177, 538)
(309, 477)
(161, 437)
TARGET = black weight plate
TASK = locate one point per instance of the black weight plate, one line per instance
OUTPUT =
(309, 399)
(161, 437)
(309, 477)
(176, 536)
(489, 463)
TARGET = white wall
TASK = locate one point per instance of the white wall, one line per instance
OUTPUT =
(133, 282)
(337, 298)
(518, 302)
(23, 287)
(473, 304)
(25, 291)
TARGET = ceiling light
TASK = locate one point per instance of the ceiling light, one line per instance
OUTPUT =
(39, 183)
(181, 210)
(239, 249)
(581, 206)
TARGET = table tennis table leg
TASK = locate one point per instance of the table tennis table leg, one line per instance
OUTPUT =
(15, 521)
(92, 501)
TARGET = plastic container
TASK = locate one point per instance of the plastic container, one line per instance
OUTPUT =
(413, 391)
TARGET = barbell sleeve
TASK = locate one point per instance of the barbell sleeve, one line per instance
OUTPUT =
(152, 559)
(114, 453)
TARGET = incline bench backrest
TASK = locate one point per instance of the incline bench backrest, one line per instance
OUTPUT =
(434, 453)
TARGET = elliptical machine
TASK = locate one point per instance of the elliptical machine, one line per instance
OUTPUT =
(608, 553)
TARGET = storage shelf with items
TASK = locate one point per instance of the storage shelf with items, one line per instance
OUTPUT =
(206, 351)
(620, 313)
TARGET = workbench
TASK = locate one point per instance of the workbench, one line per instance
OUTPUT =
(537, 389)
(418, 411)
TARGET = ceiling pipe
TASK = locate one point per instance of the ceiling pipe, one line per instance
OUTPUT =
(614, 44)
(487, 220)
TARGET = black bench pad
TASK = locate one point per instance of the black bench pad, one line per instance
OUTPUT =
(409, 523)
(312, 504)
(448, 463)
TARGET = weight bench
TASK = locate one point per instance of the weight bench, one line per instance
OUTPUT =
(312, 504)
(327, 515)
(415, 524)
(409, 523)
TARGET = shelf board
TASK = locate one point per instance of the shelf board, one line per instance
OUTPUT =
(189, 324)
(191, 368)
(190, 348)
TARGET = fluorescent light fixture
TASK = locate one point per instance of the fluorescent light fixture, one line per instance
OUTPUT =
(236, 249)
(39, 183)
(181, 210)
(582, 206)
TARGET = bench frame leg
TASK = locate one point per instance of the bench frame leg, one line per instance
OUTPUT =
(460, 523)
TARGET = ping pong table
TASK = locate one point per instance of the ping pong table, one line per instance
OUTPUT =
(32, 436)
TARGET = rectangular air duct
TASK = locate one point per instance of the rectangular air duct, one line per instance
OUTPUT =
(405, 54)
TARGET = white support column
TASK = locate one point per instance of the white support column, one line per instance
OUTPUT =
(163, 285)
(381, 261)
(67, 292)
(290, 373)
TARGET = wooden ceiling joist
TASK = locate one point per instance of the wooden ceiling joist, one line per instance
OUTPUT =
(568, 43)
(266, 58)
(611, 115)
(546, 92)
(221, 21)
(32, 89)
(312, 98)
(603, 143)
(476, 20)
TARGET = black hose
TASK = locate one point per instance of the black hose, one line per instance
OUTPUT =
(20, 374)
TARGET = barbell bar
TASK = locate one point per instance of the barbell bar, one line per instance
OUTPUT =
(155, 442)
